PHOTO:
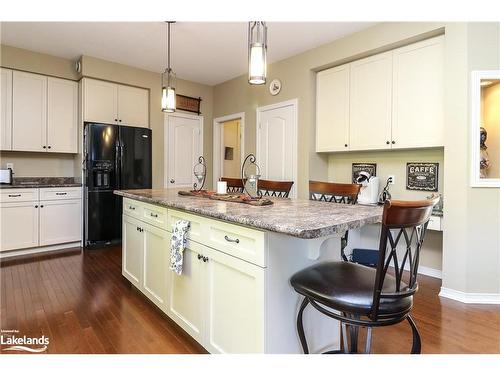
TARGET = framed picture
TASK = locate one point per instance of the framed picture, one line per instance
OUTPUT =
(422, 176)
(371, 168)
(228, 153)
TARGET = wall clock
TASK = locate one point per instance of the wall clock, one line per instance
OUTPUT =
(275, 87)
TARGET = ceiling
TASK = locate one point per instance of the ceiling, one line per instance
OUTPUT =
(204, 52)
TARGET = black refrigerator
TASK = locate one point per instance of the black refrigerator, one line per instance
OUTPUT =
(115, 158)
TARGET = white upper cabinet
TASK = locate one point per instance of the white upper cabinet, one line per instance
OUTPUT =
(100, 103)
(29, 112)
(332, 109)
(62, 115)
(112, 103)
(417, 111)
(6, 109)
(392, 100)
(133, 106)
(370, 103)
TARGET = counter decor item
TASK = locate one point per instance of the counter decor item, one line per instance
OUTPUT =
(251, 181)
(422, 176)
(200, 172)
(385, 195)
(369, 188)
(221, 187)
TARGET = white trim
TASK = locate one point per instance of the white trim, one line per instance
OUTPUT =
(35, 250)
(480, 298)
(476, 76)
(217, 143)
(165, 139)
(432, 272)
(295, 104)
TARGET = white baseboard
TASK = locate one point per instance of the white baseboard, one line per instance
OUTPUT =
(481, 298)
(34, 250)
(432, 272)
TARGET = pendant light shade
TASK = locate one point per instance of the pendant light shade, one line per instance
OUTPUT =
(257, 53)
(168, 80)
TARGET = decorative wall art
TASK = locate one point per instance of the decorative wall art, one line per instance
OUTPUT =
(422, 176)
(371, 168)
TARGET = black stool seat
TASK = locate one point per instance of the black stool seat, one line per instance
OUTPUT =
(348, 287)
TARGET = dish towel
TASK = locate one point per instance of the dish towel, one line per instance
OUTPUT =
(177, 245)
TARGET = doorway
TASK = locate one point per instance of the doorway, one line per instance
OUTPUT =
(183, 146)
(229, 144)
(277, 142)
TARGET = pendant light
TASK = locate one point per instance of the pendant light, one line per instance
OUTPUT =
(257, 52)
(168, 79)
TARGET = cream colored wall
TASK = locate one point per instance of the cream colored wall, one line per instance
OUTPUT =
(232, 168)
(106, 70)
(37, 164)
(297, 74)
(491, 122)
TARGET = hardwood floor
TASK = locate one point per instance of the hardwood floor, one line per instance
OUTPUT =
(81, 302)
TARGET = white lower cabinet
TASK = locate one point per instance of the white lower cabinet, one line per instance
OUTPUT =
(218, 299)
(19, 225)
(60, 221)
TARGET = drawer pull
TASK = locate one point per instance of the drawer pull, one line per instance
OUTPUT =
(231, 240)
(153, 215)
(14, 195)
(200, 256)
(131, 208)
(205, 259)
(61, 193)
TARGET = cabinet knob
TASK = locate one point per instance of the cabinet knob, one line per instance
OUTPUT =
(36, 205)
(172, 181)
(41, 206)
(387, 142)
(393, 142)
(345, 145)
(48, 147)
(116, 119)
(44, 146)
(200, 256)
(120, 120)
(205, 259)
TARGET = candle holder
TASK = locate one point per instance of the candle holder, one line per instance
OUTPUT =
(200, 173)
(251, 181)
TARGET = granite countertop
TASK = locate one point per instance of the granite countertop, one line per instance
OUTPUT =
(296, 217)
(41, 182)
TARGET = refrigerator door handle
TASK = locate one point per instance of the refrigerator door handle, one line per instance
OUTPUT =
(118, 165)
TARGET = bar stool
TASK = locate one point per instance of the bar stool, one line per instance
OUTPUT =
(335, 193)
(234, 185)
(279, 189)
(360, 296)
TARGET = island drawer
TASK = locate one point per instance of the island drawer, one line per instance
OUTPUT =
(155, 215)
(18, 195)
(132, 208)
(49, 194)
(239, 241)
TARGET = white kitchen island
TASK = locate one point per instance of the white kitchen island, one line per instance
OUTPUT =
(234, 294)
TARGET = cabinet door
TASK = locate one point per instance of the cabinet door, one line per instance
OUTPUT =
(62, 115)
(6, 109)
(132, 250)
(156, 265)
(235, 303)
(100, 101)
(418, 100)
(371, 102)
(60, 221)
(186, 295)
(29, 112)
(332, 109)
(133, 106)
(19, 225)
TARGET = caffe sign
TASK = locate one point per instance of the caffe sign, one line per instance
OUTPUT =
(422, 176)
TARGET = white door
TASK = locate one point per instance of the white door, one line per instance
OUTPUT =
(6, 109)
(277, 142)
(133, 106)
(60, 221)
(371, 103)
(332, 109)
(19, 225)
(156, 262)
(235, 302)
(62, 115)
(29, 112)
(132, 250)
(418, 98)
(100, 101)
(184, 145)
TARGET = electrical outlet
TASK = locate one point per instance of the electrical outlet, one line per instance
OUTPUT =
(10, 166)
(392, 179)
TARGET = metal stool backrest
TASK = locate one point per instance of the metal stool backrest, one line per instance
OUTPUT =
(234, 185)
(405, 222)
(279, 189)
(333, 192)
